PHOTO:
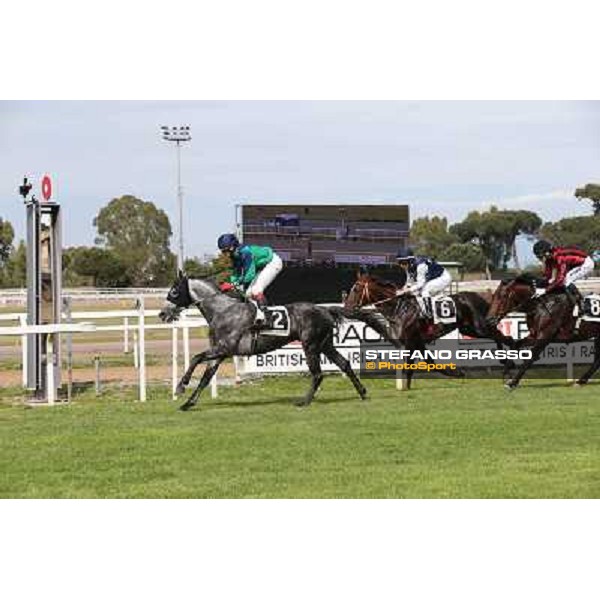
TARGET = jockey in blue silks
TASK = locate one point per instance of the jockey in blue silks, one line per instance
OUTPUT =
(426, 277)
(254, 269)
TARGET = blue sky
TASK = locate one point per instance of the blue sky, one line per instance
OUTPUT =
(440, 157)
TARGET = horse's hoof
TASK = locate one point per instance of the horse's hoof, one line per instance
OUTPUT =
(578, 384)
(186, 406)
(301, 403)
(180, 389)
(510, 387)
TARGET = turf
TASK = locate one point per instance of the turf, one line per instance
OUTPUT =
(444, 439)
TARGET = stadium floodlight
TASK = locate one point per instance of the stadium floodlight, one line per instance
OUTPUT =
(178, 135)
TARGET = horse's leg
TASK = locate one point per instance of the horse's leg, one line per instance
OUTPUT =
(593, 367)
(210, 354)
(313, 360)
(538, 346)
(344, 365)
(208, 374)
(458, 372)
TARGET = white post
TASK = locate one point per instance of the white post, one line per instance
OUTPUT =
(238, 366)
(126, 335)
(401, 382)
(142, 351)
(174, 345)
(570, 377)
(136, 359)
(186, 347)
(214, 392)
(50, 384)
(23, 323)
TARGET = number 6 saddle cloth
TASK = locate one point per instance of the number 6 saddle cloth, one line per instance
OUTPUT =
(444, 310)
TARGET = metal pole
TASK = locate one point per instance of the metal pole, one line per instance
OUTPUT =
(180, 206)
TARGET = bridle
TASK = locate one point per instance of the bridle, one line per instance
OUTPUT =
(365, 295)
(517, 308)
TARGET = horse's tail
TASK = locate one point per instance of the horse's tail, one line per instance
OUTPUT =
(338, 314)
(369, 317)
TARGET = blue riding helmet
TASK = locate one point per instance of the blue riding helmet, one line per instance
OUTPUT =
(227, 240)
(405, 254)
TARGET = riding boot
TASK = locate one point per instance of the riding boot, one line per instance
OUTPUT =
(575, 297)
(260, 303)
(425, 305)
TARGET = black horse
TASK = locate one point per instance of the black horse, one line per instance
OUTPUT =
(230, 321)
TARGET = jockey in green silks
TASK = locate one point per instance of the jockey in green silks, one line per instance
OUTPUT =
(254, 269)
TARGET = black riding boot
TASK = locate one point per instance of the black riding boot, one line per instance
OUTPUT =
(425, 305)
(575, 297)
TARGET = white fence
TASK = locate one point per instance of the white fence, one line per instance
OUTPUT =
(134, 323)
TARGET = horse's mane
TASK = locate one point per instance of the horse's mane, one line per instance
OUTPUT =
(384, 282)
(524, 278)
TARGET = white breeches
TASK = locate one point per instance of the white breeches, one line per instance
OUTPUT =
(583, 270)
(436, 286)
(265, 278)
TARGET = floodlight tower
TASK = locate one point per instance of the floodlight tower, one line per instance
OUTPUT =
(178, 134)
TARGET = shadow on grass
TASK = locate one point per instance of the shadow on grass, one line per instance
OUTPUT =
(288, 400)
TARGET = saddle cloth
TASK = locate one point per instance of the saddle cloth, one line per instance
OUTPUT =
(277, 321)
(591, 308)
(443, 309)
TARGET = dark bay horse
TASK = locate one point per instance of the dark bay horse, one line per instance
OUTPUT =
(549, 319)
(230, 322)
(406, 326)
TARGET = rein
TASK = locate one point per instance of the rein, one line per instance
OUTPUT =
(519, 307)
(365, 295)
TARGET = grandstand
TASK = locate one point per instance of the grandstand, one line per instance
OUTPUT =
(327, 234)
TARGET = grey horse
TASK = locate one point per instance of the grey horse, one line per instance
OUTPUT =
(230, 322)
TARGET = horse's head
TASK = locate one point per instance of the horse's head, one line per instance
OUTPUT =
(178, 298)
(509, 296)
(368, 289)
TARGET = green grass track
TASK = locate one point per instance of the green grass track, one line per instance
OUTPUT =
(444, 439)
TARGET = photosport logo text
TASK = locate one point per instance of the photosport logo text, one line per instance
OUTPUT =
(481, 359)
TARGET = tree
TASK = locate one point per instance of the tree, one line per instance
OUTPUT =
(591, 192)
(138, 234)
(495, 232)
(102, 268)
(219, 266)
(574, 231)
(14, 272)
(7, 235)
(524, 222)
(469, 254)
(430, 236)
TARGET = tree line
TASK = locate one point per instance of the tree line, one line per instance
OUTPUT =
(486, 241)
(131, 248)
(132, 243)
